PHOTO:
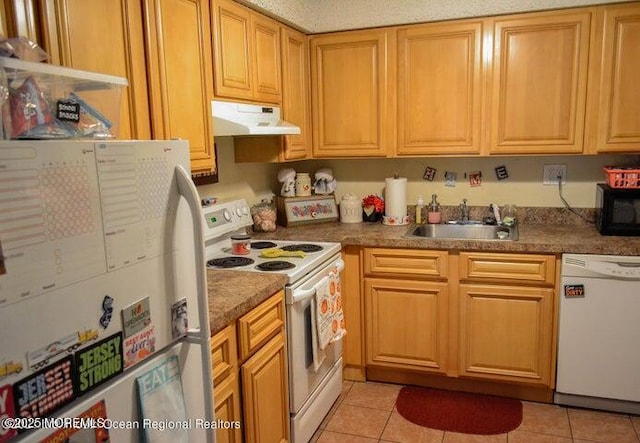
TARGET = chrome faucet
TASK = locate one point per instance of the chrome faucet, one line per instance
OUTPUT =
(464, 211)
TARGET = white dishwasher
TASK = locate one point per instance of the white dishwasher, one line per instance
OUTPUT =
(599, 333)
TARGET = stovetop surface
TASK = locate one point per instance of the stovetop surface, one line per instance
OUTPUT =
(222, 220)
(219, 256)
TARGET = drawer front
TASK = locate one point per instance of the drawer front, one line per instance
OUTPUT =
(259, 325)
(416, 262)
(529, 268)
(224, 354)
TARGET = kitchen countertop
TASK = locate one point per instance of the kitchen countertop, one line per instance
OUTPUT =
(534, 238)
(234, 293)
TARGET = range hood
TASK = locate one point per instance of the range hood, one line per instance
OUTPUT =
(231, 118)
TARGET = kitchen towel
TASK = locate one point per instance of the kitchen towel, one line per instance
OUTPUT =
(326, 310)
(395, 202)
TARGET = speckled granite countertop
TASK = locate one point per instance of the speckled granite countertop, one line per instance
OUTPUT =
(534, 238)
(233, 293)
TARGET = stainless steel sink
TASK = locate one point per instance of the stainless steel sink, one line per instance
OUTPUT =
(464, 231)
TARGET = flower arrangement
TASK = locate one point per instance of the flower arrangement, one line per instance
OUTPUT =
(372, 208)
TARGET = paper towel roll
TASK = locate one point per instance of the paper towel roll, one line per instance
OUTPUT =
(395, 203)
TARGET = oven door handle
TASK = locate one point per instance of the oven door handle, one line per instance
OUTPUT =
(304, 294)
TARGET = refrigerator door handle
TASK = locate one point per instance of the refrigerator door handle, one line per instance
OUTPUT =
(187, 189)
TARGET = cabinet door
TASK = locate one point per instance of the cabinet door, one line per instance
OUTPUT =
(506, 333)
(538, 90)
(440, 82)
(295, 93)
(350, 108)
(74, 32)
(232, 50)
(619, 112)
(267, 64)
(406, 324)
(181, 78)
(265, 395)
(19, 18)
(227, 409)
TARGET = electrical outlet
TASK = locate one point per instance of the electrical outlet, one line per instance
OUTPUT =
(551, 174)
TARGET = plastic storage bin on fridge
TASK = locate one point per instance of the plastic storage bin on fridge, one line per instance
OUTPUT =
(43, 101)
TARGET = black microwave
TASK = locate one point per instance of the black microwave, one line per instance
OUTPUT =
(617, 210)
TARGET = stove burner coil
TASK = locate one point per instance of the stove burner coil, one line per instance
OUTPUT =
(230, 262)
(304, 247)
(277, 265)
(262, 244)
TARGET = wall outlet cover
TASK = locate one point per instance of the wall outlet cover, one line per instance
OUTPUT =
(552, 173)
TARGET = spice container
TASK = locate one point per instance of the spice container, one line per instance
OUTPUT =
(264, 217)
(240, 244)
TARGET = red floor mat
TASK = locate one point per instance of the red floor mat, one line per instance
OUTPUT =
(459, 411)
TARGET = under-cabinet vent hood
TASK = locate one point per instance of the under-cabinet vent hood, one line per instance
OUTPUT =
(244, 119)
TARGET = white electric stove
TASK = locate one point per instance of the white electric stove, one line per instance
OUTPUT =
(313, 387)
(226, 219)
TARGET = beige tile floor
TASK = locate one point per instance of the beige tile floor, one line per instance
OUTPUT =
(365, 413)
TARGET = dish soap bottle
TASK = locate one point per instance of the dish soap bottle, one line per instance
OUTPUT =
(419, 206)
(434, 216)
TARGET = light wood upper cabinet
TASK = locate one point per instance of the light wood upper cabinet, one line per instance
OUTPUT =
(440, 88)
(246, 54)
(350, 107)
(296, 100)
(20, 18)
(618, 114)
(180, 75)
(267, 63)
(539, 82)
(74, 34)
(232, 54)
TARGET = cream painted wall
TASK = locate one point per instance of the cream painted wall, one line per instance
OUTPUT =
(252, 181)
(255, 181)
(332, 15)
(523, 187)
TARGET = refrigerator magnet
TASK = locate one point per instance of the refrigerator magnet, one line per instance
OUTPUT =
(139, 346)
(179, 321)
(107, 311)
(99, 363)
(136, 317)
(46, 391)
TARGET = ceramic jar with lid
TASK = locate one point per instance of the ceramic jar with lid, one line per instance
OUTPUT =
(303, 184)
(350, 209)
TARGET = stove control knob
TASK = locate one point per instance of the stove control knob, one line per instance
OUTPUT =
(245, 210)
(227, 215)
(239, 211)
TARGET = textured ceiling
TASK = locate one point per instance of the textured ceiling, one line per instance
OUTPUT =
(316, 16)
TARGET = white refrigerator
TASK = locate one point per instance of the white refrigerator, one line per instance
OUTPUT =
(104, 332)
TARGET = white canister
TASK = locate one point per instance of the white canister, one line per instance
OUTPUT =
(350, 209)
(303, 184)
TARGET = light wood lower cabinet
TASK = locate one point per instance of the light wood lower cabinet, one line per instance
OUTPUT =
(475, 317)
(506, 333)
(250, 376)
(265, 393)
(407, 323)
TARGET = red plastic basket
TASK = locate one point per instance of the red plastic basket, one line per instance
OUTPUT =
(622, 177)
